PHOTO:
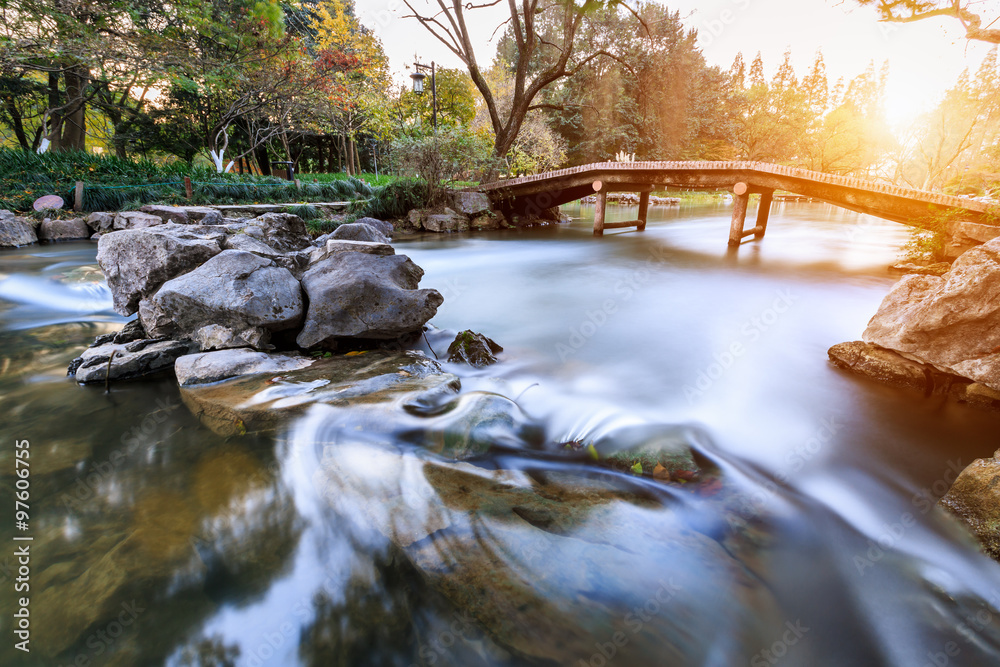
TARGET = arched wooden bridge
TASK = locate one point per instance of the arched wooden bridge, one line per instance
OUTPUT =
(533, 194)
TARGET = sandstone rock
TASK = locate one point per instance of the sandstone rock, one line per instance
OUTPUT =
(879, 364)
(971, 232)
(131, 360)
(474, 349)
(471, 204)
(136, 220)
(385, 228)
(282, 231)
(951, 322)
(975, 499)
(15, 232)
(335, 247)
(137, 262)
(938, 269)
(101, 222)
(357, 231)
(357, 295)
(63, 230)
(208, 367)
(234, 299)
(167, 213)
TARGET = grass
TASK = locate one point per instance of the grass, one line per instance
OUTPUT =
(370, 179)
(113, 184)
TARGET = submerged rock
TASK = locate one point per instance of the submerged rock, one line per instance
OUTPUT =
(16, 232)
(474, 349)
(651, 449)
(137, 262)
(356, 295)
(235, 299)
(208, 367)
(950, 322)
(131, 360)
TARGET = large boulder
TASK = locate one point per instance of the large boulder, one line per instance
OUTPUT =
(382, 226)
(975, 499)
(283, 231)
(137, 262)
(449, 221)
(136, 220)
(235, 299)
(357, 231)
(101, 222)
(471, 204)
(167, 213)
(335, 247)
(357, 295)
(15, 232)
(879, 364)
(208, 367)
(950, 322)
(131, 360)
(63, 230)
(204, 215)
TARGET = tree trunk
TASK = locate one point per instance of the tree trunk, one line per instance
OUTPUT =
(320, 156)
(352, 154)
(74, 130)
(54, 121)
(263, 160)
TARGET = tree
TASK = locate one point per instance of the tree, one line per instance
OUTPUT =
(907, 11)
(541, 31)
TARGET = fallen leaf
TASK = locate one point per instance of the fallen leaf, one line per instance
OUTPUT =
(637, 468)
(356, 353)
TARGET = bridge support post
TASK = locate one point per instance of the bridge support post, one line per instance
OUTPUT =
(763, 211)
(643, 210)
(602, 204)
(741, 198)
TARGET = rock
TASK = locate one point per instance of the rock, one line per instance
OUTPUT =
(416, 218)
(16, 232)
(649, 449)
(357, 231)
(208, 367)
(971, 232)
(980, 396)
(167, 213)
(234, 299)
(449, 221)
(335, 247)
(486, 222)
(938, 269)
(136, 220)
(132, 360)
(248, 243)
(63, 230)
(6, 215)
(950, 322)
(282, 231)
(132, 331)
(975, 499)
(101, 222)
(263, 402)
(471, 204)
(474, 349)
(879, 364)
(383, 227)
(96, 237)
(137, 262)
(204, 215)
(356, 295)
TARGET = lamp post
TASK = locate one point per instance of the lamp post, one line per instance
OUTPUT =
(418, 87)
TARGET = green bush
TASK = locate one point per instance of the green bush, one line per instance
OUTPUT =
(455, 154)
(395, 200)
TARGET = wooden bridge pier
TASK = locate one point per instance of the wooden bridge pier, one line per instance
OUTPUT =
(602, 189)
(741, 200)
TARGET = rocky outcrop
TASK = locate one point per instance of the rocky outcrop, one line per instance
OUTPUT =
(74, 229)
(137, 262)
(127, 361)
(471, 204)
(936, 269)
(974, 499)
(357, 231)
(952, 322)
(136, 220)
(283, 231)
(235, 299)
(209, 367)
(356, 295)
(335, 247)
(383, 227)
(449, 221)
(879, 364)
(15, 232)
(473, 349)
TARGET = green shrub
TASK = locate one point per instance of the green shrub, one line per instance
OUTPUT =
(305, 211)
(395, 200)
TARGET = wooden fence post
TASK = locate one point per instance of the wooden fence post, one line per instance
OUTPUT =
(187, 187)
(78, 197)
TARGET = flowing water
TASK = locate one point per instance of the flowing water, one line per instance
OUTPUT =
(349, 539)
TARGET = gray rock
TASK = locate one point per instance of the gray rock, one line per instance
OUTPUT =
(63, 230)
(449, 221)
(383, 227)
(101, 222)
(357, 231)
(234, 299)
(486, 222)
(136, 220)
(474, 349)
(208, 367)
(137, 262)
(950, 322)
(96, 237)
(6, 215)
(204, 215)
(248, 243)
(15, 232)
(131, 360)
(334, 247)
(471, 204)
(364, 296)
(167, 213)
(416, 218)
(283, 231)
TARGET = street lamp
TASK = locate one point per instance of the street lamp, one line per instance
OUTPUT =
(418, 87)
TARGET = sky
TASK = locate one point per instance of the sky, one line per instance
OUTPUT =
(924, 57)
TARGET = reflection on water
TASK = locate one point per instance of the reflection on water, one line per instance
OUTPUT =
(461, 530)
